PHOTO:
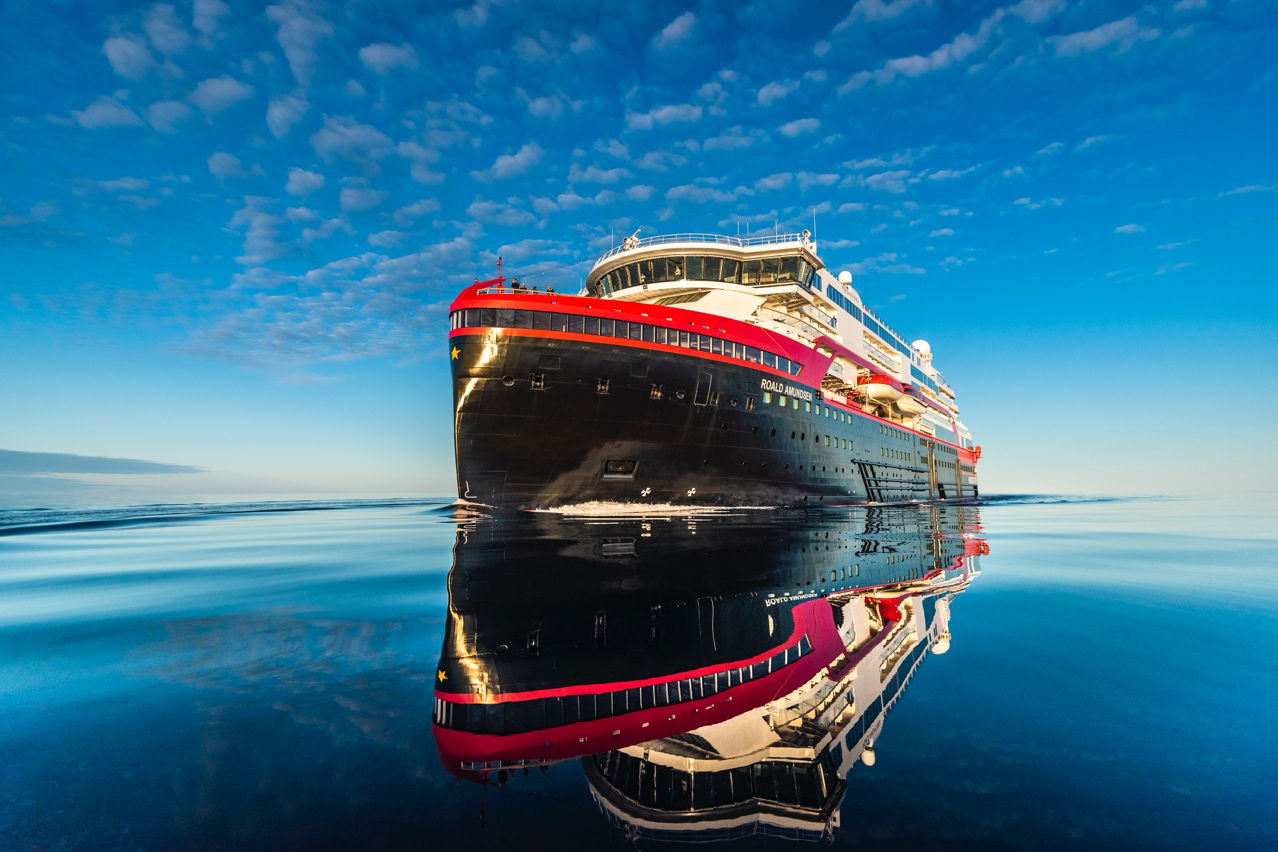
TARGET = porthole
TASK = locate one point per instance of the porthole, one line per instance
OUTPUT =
(755, 430)
(774, 432)
(791, 436)
(803, 436)
(734, 402)
(507, 381)
(679, 394)
(724, 427)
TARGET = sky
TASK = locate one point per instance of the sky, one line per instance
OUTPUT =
(229, 232)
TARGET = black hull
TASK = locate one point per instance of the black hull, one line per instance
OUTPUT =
(543, 422)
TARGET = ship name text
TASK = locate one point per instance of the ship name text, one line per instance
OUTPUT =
(788, 390)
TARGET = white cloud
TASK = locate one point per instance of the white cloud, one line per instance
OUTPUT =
(950, 174)
(261, 228)
(165, 116)
(775, 91)
(942, 232)
(893, 181)
(300, 31)
(497, 213)
(1051, 148)
(640, 192)
(1242, 190)
(208, 15)
(1172, 267)
(302, 183)
(675, 31)
(224, 166)
(594, 174)
(219, 93)
(129, 56)
(698, 194)
(283, 112)
(475, 16)
(799, 126)
(734, 139)
(807, 180)
(888, 263)
(405, 215)
(1092, 140)
(423, 173)
(326, 229)
(165, 31)
(385, 58)
(510, 165)
(301, 214)
(346, 138)
(950, 211)
(105, 112)
(780, 180)
(1129, 229)
(1124, 33)
(662, 115)
(582, 43)
(387, 239)
(874, 10)
(851, 207)
(38, 212)
(1031, 204)
(358, 199)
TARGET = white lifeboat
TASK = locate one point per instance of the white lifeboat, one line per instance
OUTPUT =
(911, 406)
(878, 388)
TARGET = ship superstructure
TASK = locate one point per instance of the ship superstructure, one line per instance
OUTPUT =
(703, 369)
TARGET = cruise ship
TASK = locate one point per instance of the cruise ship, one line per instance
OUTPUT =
(698, 369)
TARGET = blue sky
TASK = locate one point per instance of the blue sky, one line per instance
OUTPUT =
(229, 233)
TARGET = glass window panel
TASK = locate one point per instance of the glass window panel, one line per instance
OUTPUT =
(541, 320)
(710, 268)
(658, 266)
(771, 266)
(753, 355)
(683, 339)
(607, 327)
(716, 346)
(674, 268)
(648, 333)
(636, 331)
(705, 342)
(659, 335)
(576, 324)
(505, 318)
(694, 268)
(592, 325)
(789, 270)
(769, 360)
(645, 273)
(750, 272)
(558, 322)
(728, 274)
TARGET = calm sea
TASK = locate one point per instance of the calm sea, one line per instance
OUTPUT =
(1028, 673)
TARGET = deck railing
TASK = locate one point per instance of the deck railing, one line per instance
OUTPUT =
(629, 244)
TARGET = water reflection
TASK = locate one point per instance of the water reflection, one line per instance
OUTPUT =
(716, 679)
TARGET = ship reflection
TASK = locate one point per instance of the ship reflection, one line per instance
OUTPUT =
(717, 678)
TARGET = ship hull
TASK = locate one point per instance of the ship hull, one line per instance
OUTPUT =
(543, 421)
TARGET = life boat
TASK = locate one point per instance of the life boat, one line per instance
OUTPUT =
(878, 388)
(910, 406)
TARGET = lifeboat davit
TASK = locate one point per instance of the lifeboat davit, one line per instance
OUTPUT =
(878, 388)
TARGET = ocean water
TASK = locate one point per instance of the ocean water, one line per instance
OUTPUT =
(1028, 673)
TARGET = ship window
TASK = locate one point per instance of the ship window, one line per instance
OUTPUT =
(541, 320)
(795, 404)
(807, 406)
(694, 268)
(788, 270)
(577, 324)
(674, 268)
(753, 355)
(750, 272)
(781, 402)
(771, 267)
(636, 330)
(558, 322)
(606, 327)
(728, 275)
(769, 360)
(716, 346)
(749, 403)
(649, 333)
(592, 325)
(827, 440)
(767, 397)
(683, 340)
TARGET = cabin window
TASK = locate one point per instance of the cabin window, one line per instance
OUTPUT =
(716, 346)
(694, 268)
(728, 274)
(750, 271)
(789, 269)
(769, 360)
(796, 404)
(781, 400)
(771, 267)
(807, 407)
(767, 397)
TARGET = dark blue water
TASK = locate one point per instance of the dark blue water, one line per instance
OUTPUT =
(267, 676)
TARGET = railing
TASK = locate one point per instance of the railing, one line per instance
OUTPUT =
(629, 244)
